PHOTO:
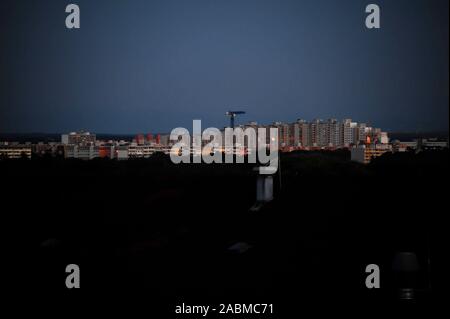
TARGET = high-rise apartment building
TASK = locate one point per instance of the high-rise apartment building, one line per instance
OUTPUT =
(78, 138)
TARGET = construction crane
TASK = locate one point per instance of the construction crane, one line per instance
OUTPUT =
(232, 115)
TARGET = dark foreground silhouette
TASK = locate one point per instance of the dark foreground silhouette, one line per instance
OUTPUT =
(158, 234)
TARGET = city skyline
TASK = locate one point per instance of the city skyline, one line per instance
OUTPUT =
(161, 64)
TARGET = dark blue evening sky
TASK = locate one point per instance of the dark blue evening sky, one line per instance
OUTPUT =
(152, 65)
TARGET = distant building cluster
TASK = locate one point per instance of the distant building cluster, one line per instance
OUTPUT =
(15, 151)
(84, 145)
(365, 153)
(364, 142)
(421, 144)
(330, 134)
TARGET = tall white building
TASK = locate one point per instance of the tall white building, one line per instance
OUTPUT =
(349, 129)
(78, 138)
